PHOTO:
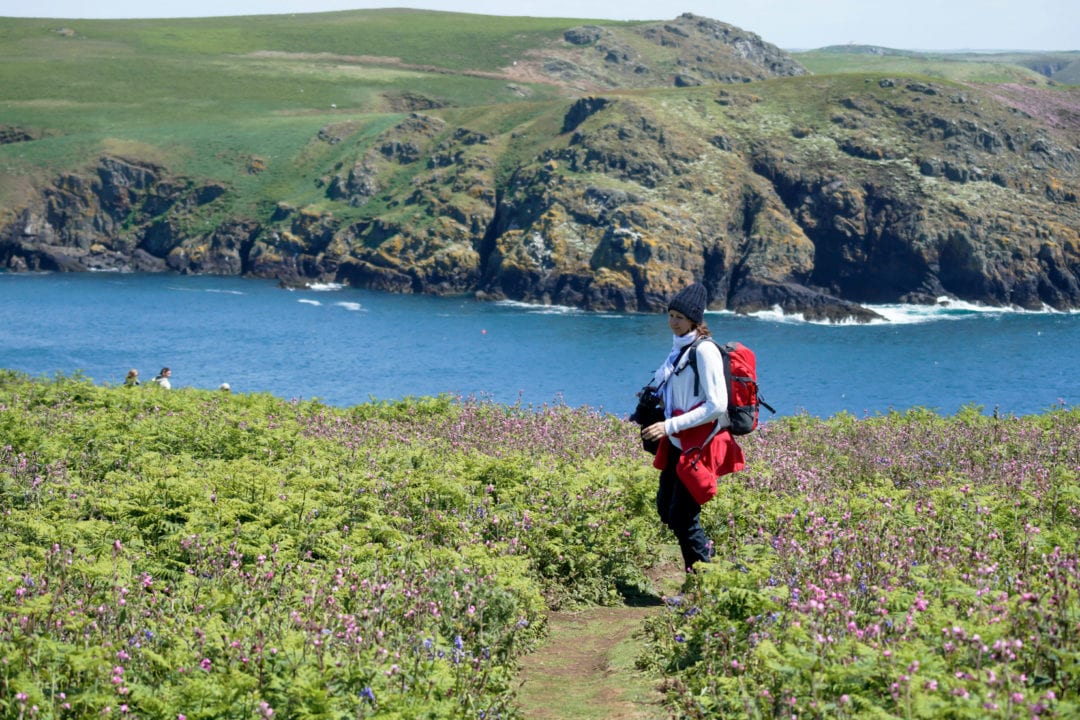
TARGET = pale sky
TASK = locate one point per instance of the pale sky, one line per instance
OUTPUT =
(791, 24)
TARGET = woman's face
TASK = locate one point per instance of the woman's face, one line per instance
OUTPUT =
(679, 323)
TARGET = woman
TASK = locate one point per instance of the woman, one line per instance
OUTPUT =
(132, 378)
(162, 378)
(695, 410)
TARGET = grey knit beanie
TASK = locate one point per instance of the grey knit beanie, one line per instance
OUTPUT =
(691, 301)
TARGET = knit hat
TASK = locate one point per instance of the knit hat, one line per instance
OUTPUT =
(690, 301)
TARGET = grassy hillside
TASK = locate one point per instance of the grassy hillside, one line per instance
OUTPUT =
(232, 98)
(170, 90)
(413, 151)
(205, 96)
(1030, 68)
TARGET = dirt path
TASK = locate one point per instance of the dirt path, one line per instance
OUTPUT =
(586, 667)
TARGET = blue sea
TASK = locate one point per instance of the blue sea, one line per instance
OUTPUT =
(346, 346)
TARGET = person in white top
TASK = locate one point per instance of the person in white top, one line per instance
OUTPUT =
(694, 406)
(162, 378)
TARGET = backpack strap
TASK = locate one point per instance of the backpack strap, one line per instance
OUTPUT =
(691, 362)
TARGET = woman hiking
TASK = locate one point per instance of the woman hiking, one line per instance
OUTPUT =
(694, 445)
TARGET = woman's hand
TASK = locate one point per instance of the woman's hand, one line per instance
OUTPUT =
(653, 432)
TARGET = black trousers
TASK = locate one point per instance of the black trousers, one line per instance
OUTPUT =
(680, 512)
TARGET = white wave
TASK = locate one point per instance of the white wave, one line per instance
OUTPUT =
(948, 309)
(353, 306)
(309, 302)
(325, 287)
(902, 314)
(217, 291)
(537, 309)
(774, 314)
(777, 315)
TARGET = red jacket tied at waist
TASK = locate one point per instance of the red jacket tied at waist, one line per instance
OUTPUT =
(703, 459)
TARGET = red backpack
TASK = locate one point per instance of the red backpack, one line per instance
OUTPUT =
(740, 372)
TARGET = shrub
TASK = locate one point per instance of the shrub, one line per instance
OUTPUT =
(907, 565)
(214, 556)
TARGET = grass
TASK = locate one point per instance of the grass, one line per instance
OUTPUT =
(451, 40)
(240, 86)
(956, 67)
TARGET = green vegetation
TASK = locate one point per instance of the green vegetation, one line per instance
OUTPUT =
(1028, 68)
(213, 556)
(907, 565)
(203, 555)
(204, 96)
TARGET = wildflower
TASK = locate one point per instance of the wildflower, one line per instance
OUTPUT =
(368, 694)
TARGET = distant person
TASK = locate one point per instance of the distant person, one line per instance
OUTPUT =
(695, 424)
(162, 378)
(132, 378)
(225, 388)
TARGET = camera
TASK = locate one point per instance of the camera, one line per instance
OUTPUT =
(649, 410)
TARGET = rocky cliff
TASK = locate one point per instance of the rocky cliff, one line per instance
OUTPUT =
(815, 195)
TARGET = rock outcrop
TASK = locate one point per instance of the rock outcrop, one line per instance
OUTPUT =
(696, 50)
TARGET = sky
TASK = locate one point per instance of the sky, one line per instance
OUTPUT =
(790, 24)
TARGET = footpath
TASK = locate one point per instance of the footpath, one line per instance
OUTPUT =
(585, 669)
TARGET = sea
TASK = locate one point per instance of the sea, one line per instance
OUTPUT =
(344, 346)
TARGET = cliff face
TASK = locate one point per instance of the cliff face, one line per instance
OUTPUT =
(817, 195)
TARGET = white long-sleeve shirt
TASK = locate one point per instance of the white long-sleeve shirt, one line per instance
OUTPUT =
(711, 399)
